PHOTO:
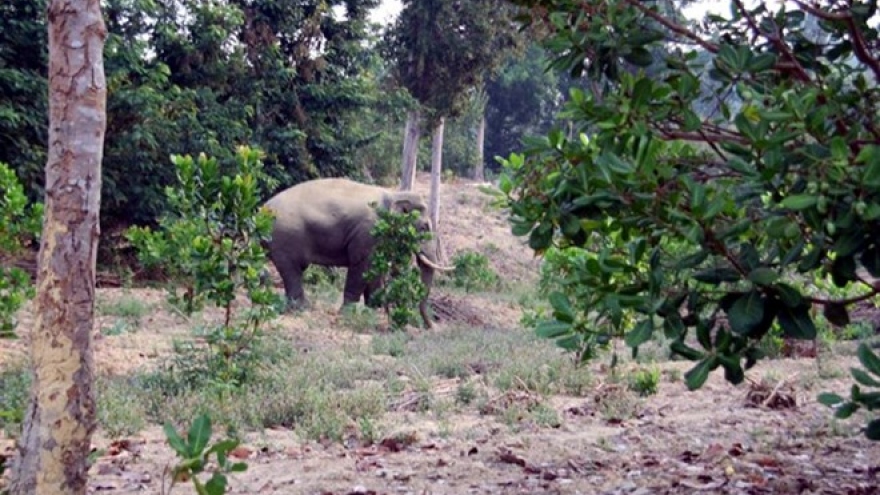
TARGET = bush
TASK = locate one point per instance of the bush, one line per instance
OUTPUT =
(15, 384)
(397, 242)
(644, 381)
(213, 244)
(19, 226)
(472, 272)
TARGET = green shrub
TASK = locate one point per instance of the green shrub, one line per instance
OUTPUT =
(472, 272)
(644, 381)
(359, 318)
(213, 245)
(195, 454)
(15, 384)
(19, 225)
(397, 241)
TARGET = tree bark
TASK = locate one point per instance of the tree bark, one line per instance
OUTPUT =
(410, 149)
(479, 173)
(56, 438)
(436, 172)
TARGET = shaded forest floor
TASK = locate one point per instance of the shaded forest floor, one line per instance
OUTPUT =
(475, 405)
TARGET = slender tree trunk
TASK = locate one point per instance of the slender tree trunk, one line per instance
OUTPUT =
(410, 149)
(481, 139)
(436, 172)
(60, 419)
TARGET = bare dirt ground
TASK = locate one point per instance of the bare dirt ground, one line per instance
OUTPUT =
(708, 441)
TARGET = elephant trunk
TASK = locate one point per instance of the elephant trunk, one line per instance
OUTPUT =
(427, 272)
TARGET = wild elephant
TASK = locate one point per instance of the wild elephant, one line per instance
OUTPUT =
(328, 222)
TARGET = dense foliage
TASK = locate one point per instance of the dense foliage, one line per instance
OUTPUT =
(397, 242)
(705, 223)
(186, 76)
(442, 50)
(303, 81)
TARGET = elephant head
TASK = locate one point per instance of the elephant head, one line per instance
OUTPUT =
(428, 255)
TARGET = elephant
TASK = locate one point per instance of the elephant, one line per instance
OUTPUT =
(328, 222)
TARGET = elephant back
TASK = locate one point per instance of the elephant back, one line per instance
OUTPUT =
(316, 200)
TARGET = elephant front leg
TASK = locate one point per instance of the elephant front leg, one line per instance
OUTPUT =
(355, 285)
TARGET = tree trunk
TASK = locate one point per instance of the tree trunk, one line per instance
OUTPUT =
(410, 149)
(436, 170)
(481, 138)
(60, 419)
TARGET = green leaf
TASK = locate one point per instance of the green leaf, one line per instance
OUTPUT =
(864, 378)
(811, 260)
(552, 329)
(692, 260)
(846, 410)
(762, 62)
(796, 322)
(872, 431)
(747, 312)
(733, 371)
(868, 359)
(562, 309)
(685, 351)
(216, 485)
(199, 434)
(640, 334)
(570, 343)
(763, 276)
(692, 121)
(871, 158)
(843, 270)
(696, 377)
(830, 399)
(716, 276)
(836, 314)
(704, 335)
(639, 56)
(799, 202)
(175, 441)
(520, 229)
(788, 295)
(238, 467)
(871, 260)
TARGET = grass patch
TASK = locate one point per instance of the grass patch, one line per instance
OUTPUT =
(359, 318)
(319, 395)
(120, 407)
(509, 359)
(389, 344)
(128, 310)
(15, 385)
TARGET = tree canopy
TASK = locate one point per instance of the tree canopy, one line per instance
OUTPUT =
(186, 76)
(441, 50)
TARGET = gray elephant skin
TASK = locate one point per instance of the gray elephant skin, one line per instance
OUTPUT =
(328, 222)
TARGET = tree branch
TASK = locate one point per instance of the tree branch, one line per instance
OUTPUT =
(672, 26)
(860, 47)
(777, 42)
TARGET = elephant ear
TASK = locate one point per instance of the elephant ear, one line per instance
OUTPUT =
(407, 202)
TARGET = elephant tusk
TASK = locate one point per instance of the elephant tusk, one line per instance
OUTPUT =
(424, 259)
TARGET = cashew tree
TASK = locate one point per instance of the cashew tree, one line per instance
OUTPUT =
(721, 170)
